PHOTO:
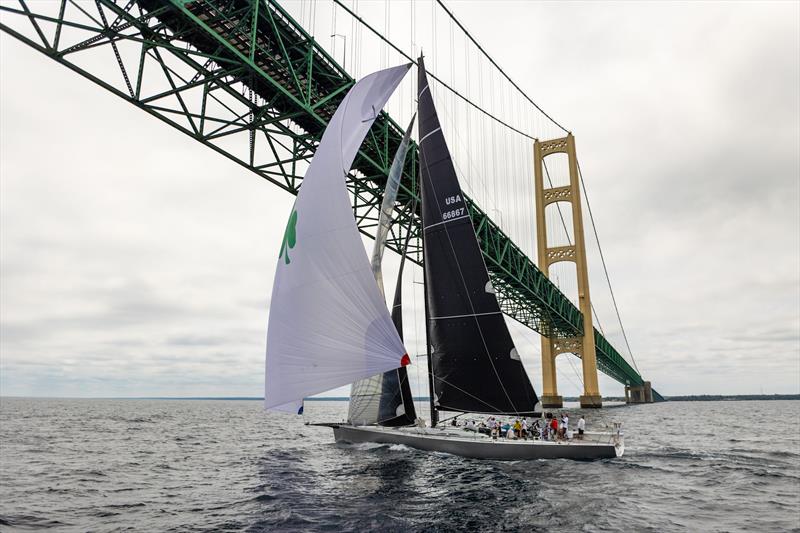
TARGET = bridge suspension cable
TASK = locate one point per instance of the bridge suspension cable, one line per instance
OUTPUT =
(505, 109)
(605, 269)
(580, 174)
(471, 38)
(433, 76)
(490, 118)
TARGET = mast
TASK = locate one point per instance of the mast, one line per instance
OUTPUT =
(431, 390)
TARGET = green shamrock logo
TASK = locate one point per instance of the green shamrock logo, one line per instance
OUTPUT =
(289, 236)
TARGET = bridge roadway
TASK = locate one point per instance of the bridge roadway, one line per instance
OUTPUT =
(248, 81)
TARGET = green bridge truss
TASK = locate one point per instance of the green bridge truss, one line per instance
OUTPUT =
(246, 80)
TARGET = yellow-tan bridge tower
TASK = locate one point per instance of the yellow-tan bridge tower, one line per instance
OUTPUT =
(582, 346)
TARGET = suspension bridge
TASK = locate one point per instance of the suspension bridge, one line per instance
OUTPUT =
(254, 81)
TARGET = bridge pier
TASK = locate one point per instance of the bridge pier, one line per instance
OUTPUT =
(550, 398)
(582, 345)
(552, 402)
(639, 394)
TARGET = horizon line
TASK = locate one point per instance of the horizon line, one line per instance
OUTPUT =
(344, 398)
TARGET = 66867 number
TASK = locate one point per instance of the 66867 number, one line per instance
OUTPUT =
(453, 213)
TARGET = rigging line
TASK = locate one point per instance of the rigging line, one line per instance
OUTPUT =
(416, 329)
(387, 15)
(464, 284)
(481, 91)
(431, 74)
(313, 17)
(465, 147)
(496, 409)
(452, 64)
(399, 392)
(333, 17)
(532, 344)
(575, 370)
(471, 38)
(605, 270)
(454, 416)
(569, 241)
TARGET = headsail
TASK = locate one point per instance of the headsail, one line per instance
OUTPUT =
(387, 205)
(475, 365)
(328, 323)
(386, 399)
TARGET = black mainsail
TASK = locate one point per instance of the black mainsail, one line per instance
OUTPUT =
(474, 363)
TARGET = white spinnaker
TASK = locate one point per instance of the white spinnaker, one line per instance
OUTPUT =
(365, 394)
(328, 323)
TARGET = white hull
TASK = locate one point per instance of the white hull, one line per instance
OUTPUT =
(479, 446)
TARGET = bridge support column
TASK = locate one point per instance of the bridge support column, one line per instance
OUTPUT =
(583, 346)
(550, 398)
(639, 393)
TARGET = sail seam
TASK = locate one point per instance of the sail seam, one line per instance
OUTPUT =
(446, 221)
(429, 134)
(464, 316)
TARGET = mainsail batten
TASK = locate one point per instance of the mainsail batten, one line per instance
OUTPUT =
(474, 363)
(328, 324)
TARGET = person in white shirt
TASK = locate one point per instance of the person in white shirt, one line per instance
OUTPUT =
(581, 427)
(525, 428)
(511, 435)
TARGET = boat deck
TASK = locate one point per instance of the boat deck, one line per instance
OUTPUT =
(477, 445)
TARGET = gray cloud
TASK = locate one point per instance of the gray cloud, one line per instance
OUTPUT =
(136, 262)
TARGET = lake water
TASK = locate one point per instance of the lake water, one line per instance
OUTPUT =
(169, 465)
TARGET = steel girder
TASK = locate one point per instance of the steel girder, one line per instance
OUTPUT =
(246, 80)
(610, 362)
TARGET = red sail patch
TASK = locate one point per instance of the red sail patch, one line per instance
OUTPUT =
(405, 360)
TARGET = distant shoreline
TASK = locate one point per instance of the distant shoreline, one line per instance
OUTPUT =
(731, 397)
(687, 398)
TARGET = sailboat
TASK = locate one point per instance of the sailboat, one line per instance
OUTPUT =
(329, 325)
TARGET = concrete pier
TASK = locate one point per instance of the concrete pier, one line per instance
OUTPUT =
(639, 393)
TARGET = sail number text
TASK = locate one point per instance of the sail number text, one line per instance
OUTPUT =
(453, 213)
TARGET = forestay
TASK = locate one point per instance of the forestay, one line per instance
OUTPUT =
(328, 323)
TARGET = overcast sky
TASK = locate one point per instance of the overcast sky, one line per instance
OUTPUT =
(135, 261)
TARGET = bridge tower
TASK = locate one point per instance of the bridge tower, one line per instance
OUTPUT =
(583, 346)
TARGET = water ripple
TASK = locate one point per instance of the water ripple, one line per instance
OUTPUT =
(111, 465)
